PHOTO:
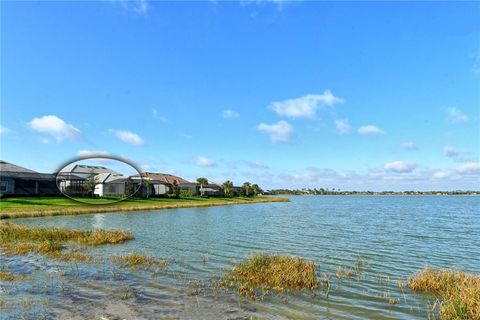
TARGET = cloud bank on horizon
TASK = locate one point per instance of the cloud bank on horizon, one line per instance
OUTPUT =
(265, 98)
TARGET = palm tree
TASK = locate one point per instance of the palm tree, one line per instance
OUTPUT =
(256, 189)
(146, 183)
(201, 182)
(228, 188)
(246, 188)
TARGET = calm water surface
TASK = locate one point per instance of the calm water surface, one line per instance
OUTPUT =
(393, 236)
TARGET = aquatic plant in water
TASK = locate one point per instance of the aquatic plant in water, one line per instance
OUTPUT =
(458, 293)
(21, 240)
(137, 259)
(261, 274)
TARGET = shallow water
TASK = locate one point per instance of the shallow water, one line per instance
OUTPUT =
(393, 236)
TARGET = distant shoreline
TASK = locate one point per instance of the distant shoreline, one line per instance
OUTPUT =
(42, 207)
(380, 195)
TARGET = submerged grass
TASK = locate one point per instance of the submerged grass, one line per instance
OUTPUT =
(136, 259)
(7, 276)
(458, 292)
(261, 274)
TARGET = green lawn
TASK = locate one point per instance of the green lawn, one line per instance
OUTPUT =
(44, 206)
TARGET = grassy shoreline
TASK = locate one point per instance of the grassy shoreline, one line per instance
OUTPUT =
(41, 207)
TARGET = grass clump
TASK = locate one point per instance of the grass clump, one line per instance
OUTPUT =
(7, 276)
(265, 273)
(458, 292)
(136, 259)
(99, 237)
(10, 232)
(49, 241)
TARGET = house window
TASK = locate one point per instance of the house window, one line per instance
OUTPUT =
(3, 186)
(111, 189)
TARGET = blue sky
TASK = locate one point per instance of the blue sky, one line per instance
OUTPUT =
(374, 95)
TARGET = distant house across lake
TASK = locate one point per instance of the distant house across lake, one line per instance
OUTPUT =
(158, 183)
(16, 180)
(107, 181)
(104, 182)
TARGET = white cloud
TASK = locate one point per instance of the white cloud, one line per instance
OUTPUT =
(343, 127)
(469, 168)
(281, 131)
(409, 145)
(45, 140)
(157, 116)
(204, 161)
(400, 166)
(55, 127)
(93, 153)
(306, 106)
(129, 137)
(450, 152)
(138, 6)
(457, 116)
(370, 130)
(4, 130)
(256, 165)
(441, 174)
(230, 114)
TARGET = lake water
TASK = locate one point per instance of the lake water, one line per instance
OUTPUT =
(393, 236)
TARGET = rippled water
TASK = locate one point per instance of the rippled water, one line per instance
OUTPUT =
(394, 237)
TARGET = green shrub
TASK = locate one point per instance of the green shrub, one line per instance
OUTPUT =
(187, 193)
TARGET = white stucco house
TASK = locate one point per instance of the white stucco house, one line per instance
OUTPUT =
(110, 184)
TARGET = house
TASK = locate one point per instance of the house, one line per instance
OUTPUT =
(208, 190)
(110, 184)
(158, 183)
(211, 190)
(71, 180)
(20, 181)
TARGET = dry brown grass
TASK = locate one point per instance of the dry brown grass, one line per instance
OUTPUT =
(458, 292)
(265, 273)
(11, 232)
(7, 276)
(22, 240)
(99, 237)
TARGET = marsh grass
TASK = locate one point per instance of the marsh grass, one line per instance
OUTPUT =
(196, 287)
(257, 276)
(458, 293)
(8, 276)
(137, 259)
(10, 232)
(126, 293)
(344, 273)
(22, 240)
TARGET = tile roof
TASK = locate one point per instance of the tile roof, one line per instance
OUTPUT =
(163, 177)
